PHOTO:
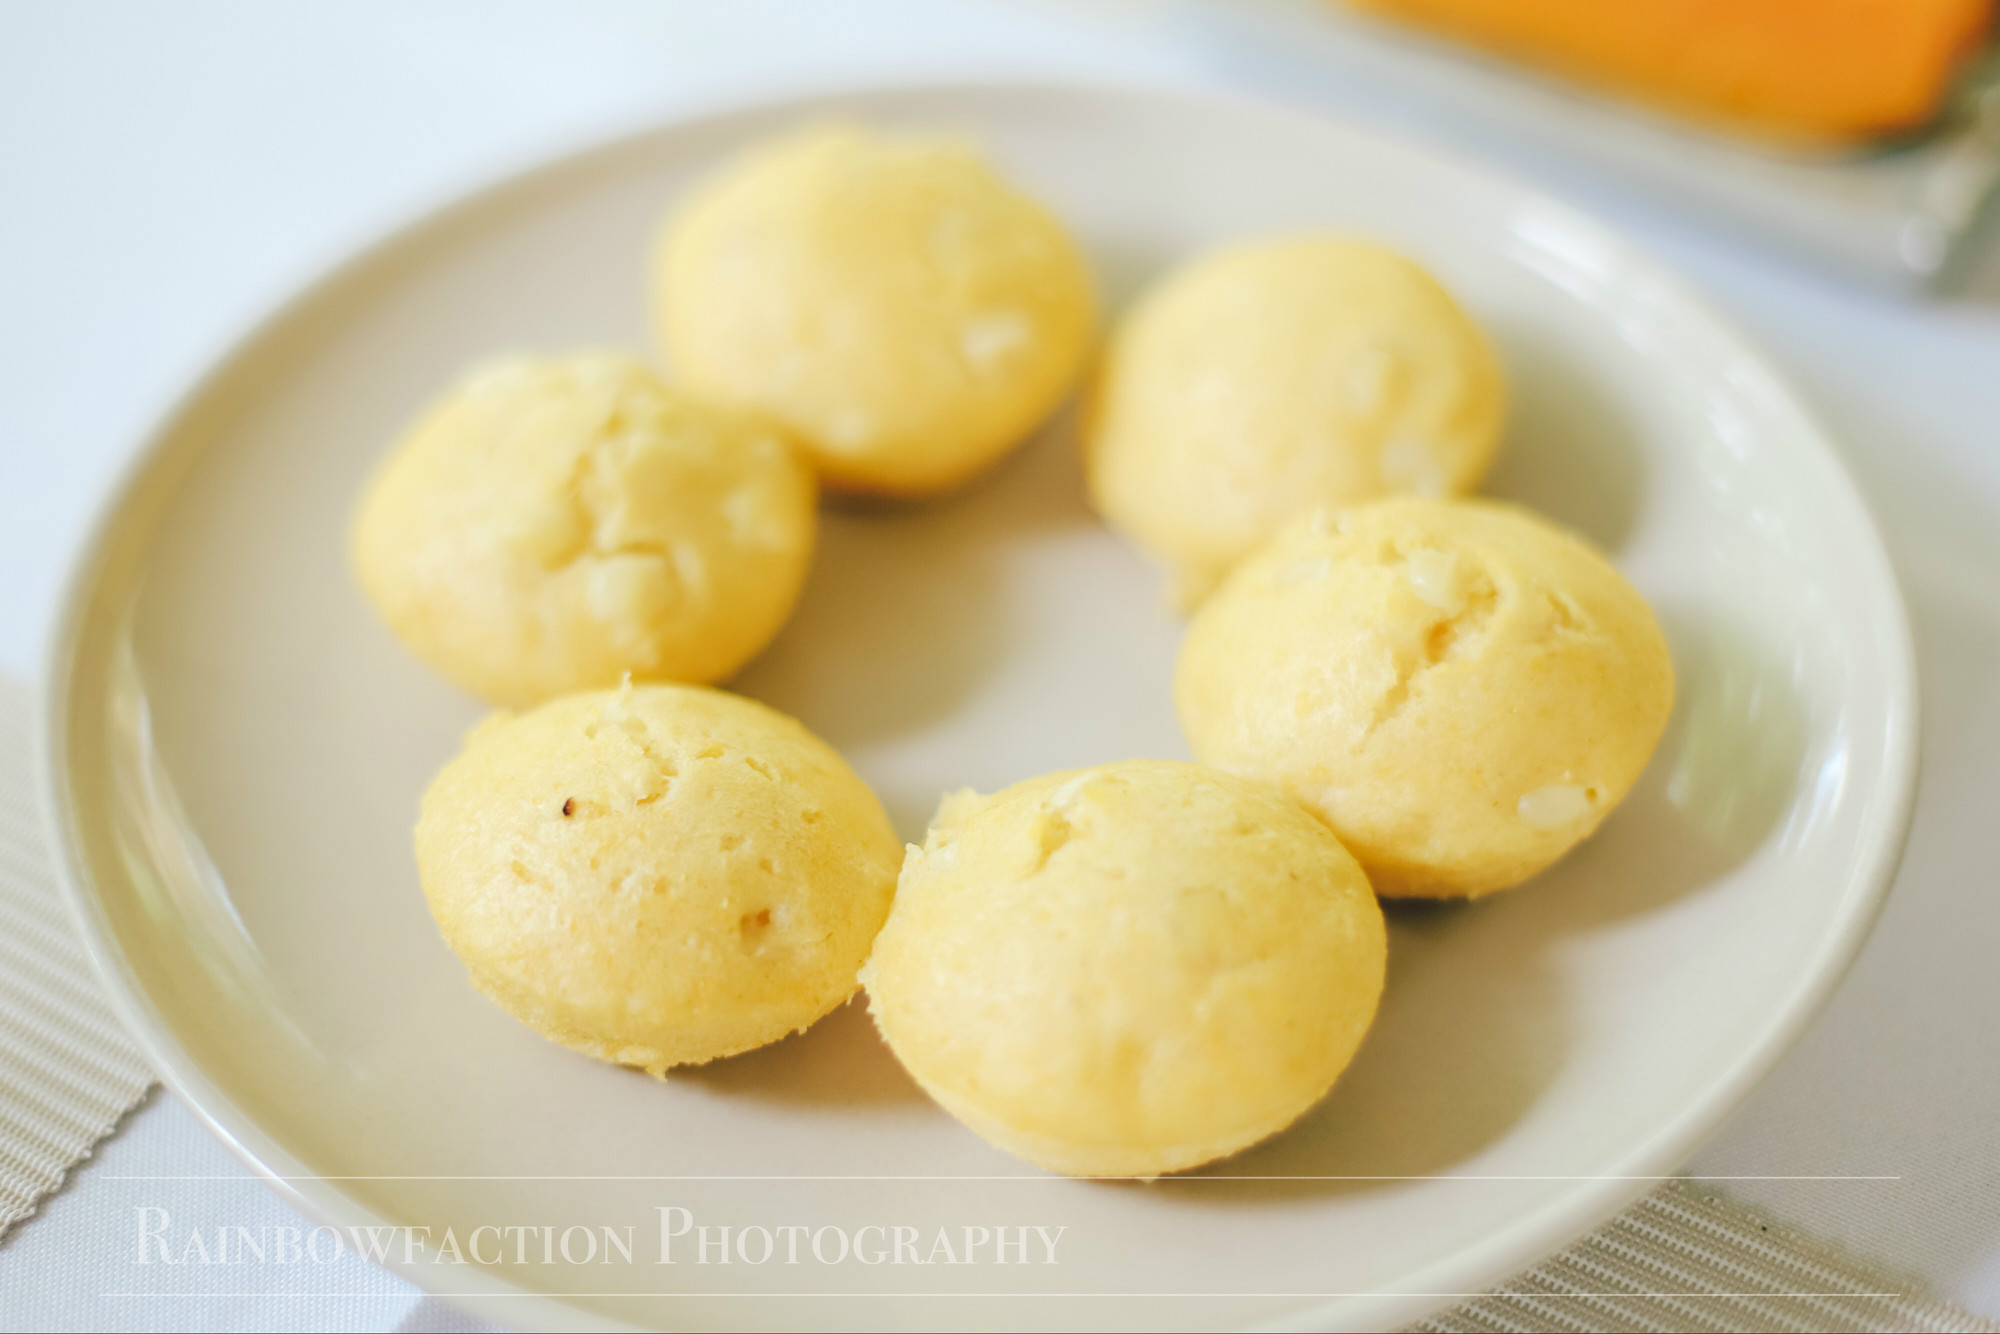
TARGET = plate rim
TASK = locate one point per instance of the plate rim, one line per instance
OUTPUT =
(149, 471)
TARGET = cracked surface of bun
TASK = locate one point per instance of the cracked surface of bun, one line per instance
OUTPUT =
(1268, 377)
(1128, 970)
(554, 523)
(1462, 690)
(656, 875)
(891, 299)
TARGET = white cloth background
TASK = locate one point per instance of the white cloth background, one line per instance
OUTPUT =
(166, 171)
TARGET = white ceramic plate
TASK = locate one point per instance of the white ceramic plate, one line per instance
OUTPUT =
(236, 746)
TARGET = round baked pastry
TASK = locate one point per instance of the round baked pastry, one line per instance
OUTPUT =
(656, 875)
(555, 523)
(1267, 378)
(898, 305)
(1460, 689)
(1128, 970)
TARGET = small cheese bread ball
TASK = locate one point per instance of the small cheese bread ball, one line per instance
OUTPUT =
(1264, 379)
(899, 306)
(1128, 970)
(657, 875)
(1460, 689)
(555, 523)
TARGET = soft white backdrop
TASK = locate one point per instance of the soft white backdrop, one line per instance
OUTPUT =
(167, 171)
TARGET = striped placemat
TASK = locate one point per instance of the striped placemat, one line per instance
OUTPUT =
(67, 1071)
(1689, 1258)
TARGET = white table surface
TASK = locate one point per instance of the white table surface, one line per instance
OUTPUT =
(168, 171)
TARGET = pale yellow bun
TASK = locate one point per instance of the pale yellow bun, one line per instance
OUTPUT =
(1460, 689)
(554, 523)
(657, 875)
(1263, 379)
(1128, 970)
(902, 308)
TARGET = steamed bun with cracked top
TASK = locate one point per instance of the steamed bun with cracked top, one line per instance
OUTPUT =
(904, 310)
(1128, 970)
(554, 523)
(656, 875)
(1460, 689)
(1269, 377)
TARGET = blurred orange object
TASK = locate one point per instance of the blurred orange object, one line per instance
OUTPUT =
(1795, 69)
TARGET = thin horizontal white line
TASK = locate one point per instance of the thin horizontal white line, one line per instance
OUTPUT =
(1015, 1176)
(1540, 1296)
